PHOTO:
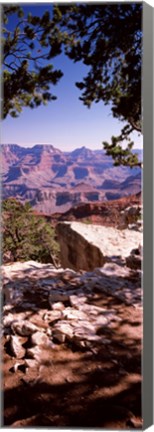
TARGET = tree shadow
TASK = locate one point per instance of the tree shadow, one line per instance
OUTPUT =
(105, 385)
(83, 404)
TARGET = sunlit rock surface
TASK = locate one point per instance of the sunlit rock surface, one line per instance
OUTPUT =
(87, 246)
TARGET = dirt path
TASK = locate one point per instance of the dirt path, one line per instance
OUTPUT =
(95, 386)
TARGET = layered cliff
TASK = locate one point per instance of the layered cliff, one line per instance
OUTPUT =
(53, 180)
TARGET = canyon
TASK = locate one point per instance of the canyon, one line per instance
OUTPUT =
(53, 181)
(72, 332)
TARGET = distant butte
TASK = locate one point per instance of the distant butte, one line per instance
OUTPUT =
(54, 181)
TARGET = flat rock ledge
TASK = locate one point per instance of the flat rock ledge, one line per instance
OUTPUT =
(86, 246)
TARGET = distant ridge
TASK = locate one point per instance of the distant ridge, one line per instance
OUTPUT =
(53, 180)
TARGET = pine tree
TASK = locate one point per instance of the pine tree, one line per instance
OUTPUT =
(107, 38)
(27, 51)
(27, 236)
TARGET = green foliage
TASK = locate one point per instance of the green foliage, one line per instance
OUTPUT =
(27, 71)
(108, 39)
(120, 155)
(26, 235)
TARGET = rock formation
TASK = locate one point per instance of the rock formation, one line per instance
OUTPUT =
(86, 246)
(54, 181)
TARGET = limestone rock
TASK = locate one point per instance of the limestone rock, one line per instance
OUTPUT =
(73, 314)
(62, 330)
(76, 251)
(59, 335)
(51, 316)
(16, 347)
(84, 326)
(38, 321)
(8, 319)
(35, 353)
(30, 363)
(39, 338)
(58, 306)
(89, 246)
(85, 339)
(23, 328)
(76, 301)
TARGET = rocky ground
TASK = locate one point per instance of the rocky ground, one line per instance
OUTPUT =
(72, 345)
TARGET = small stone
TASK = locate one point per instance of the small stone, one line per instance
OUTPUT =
(59, 336)
(23, 328)
(76, 301)
(85, 336)
(16, 347)
(8, 320)
(39, 338)
(49, 332)
(30, 363)
(17, 366)
(7, 307)
(52, 316)
(34, 353)
(107, 319)
(38, 321)
(72, 314)
(84, 326)
(62, 331)
(91, 309)
(58, 306)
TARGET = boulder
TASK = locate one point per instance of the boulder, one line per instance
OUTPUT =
(85, 247)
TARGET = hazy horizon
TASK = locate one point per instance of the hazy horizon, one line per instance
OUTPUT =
(59, 148)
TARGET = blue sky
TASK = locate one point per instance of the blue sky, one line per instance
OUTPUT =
(65, 123)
